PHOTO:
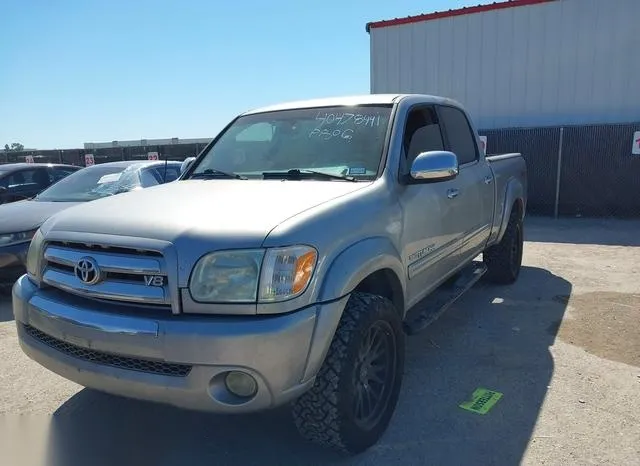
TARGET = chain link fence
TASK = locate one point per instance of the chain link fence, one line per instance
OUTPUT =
(539, 147)
(576, 170)
(573, 170)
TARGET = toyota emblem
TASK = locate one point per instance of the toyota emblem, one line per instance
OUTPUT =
(87, 271)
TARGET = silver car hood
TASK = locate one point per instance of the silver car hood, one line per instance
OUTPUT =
(235, 213)
(28, 215)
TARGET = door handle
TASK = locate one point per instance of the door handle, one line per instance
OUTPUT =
(488, 179)
(451, 193)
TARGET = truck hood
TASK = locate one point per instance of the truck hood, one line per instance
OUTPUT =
(28, 215)
(229, 213)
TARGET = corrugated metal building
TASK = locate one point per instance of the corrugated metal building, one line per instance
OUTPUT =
(523, 63)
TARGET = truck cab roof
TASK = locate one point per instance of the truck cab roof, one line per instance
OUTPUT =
(363, 99)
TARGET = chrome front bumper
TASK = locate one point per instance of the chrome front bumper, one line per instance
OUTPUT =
(175, 359)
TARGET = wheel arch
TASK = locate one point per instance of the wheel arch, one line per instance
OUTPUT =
(373, 266)
(369, 266)
(385, 283)
(514, 199)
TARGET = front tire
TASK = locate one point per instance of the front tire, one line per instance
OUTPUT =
(504, 260)
(357, 388)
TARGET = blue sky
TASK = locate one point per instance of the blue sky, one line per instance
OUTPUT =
(77, 71)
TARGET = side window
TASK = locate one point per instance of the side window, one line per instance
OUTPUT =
(58, 173)
(172, 174)
(37, 176)
(156, 175)
(19, 178)
(460, 138)
(421, 134)
(150, 177)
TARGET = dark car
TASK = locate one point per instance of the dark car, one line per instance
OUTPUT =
(24, 180)
(20, 220)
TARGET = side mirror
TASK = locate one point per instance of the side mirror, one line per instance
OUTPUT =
(3, 191)
(434, 166)
(186, 164)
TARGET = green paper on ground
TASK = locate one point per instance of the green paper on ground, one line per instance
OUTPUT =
(481, 401)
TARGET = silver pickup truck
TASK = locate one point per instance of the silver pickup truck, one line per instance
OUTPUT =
(286, 265)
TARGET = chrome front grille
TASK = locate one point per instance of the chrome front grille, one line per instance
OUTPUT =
(125, 275)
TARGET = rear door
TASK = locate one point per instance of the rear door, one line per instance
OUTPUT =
(474, 209)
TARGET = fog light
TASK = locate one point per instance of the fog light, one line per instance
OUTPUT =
(241, 384)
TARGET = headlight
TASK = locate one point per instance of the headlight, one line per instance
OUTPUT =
(7, 239)
(286, 272)
(34, 256)
(227, 276)
(256, 275)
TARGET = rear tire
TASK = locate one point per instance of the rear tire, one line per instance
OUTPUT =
(356, 390)
(504, 259)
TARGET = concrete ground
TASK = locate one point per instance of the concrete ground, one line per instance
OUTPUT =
(562, 345)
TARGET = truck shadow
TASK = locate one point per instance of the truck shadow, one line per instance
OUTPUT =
(495, 337)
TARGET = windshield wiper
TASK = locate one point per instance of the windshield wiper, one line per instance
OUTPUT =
(214, 173)
(296, 173)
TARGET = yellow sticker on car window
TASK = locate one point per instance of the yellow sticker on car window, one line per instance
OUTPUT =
(482, 400)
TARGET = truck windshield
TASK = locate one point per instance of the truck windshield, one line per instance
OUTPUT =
(342, 141)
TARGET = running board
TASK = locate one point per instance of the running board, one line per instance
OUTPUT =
(434, 305)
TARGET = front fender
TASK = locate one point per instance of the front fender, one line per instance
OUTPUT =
(347, 270)
(358, 261)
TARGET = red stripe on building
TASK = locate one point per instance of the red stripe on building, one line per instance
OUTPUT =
(459, 12)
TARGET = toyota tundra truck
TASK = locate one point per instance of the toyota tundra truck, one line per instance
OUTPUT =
(285, 266)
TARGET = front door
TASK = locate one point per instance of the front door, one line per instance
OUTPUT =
(430, 234)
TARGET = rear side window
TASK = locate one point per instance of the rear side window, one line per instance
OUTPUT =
(460, 138)
(149, 177)
(172, 174)
(29, 176)
(159, 174)
(61, 172)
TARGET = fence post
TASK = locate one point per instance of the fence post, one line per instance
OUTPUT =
(556, 207)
